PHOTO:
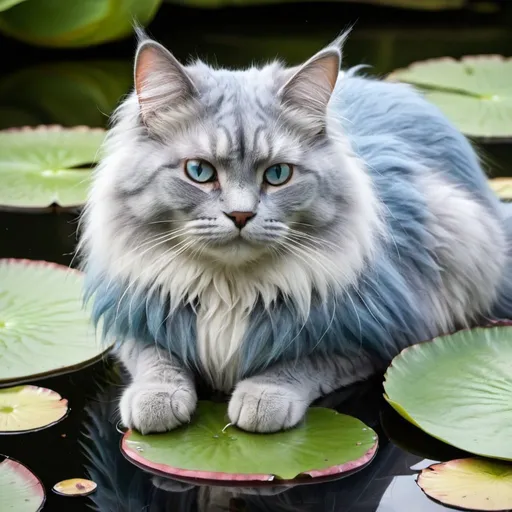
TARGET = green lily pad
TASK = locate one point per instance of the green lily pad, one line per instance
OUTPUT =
(20, 489)
(325, 444)
(29, 408)
(471, 484)
(502, 187)
(45, 166)
(473, 92)
(44, 329)
(61, 23)
(458, 389)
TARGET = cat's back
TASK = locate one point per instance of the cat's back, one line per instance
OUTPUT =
(385, 118)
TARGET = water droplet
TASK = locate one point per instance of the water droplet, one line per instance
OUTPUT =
(358, 443)
(216, 436)
(365, 428)
(139, 449)
(375, 438)
(233, 438)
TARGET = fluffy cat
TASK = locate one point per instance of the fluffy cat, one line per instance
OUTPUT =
(282, 232)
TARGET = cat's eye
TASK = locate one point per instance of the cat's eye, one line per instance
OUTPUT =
(278, 174)
(200, 171)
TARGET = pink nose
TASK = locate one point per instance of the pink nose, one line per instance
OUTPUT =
(240, 219)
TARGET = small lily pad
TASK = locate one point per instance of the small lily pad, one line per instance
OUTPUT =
(502, 187)
(46, 166)
(471, 484)
(44, 328)
(75, 487)
(325, 443)
(474, 92)
(458, 389)
(28, 408)
(20, 489)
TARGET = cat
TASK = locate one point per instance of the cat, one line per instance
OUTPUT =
(281, 232)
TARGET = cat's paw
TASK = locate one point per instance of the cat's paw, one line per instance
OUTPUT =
(157, 407)
(266, 407)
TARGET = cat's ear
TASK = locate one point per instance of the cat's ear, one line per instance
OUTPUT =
(309, 87)
(161, 82)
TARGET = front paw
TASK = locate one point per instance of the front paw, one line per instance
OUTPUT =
(157, 407)
(265, 407)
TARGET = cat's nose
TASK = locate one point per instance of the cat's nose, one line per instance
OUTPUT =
(240, 219)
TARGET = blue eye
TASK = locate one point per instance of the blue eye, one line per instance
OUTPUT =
(278, 174)
(200, 171)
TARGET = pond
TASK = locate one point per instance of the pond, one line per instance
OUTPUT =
(80, 87)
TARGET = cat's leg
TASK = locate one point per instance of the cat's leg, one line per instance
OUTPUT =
(279, 397)
(162, 394)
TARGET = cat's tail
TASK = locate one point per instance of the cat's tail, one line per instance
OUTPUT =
(503, 308)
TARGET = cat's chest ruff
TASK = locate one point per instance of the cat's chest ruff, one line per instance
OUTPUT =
(221, 323)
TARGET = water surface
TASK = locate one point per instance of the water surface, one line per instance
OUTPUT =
(71, 87)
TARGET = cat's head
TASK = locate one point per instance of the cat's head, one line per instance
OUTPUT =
(231, 166)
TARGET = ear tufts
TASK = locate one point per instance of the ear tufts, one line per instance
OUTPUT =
(309, 87)
(161, 82)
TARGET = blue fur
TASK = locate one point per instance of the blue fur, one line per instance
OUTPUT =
(384, 313)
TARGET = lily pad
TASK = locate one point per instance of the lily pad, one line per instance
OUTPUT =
(471, 484)
(61, 23)
(473, 92)
(28, 408)
(75, 487)
(458, 389)
(20, 489)
(47, 165)
(326, 443)
(502, 187)
(44, 329)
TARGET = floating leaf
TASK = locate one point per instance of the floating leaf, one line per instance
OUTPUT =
(61, 23)
(473, 92)
(27, 408)
(502, 187)
(471, 484)
(326, 443)
(75, 487)
(458, 388)
(44, 328)
(45, 166)
(20, 489)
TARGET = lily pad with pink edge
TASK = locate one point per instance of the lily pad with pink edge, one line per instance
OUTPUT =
(470, 484)
(20, 489)
(30, 408)
(44, 327)
(325, 444)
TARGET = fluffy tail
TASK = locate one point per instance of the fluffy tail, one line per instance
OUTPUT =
(503, 308)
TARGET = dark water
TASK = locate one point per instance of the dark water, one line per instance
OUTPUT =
(41, 86)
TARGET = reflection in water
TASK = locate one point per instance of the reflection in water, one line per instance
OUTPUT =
(402, 490)
(66, 93)
(384, 486)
